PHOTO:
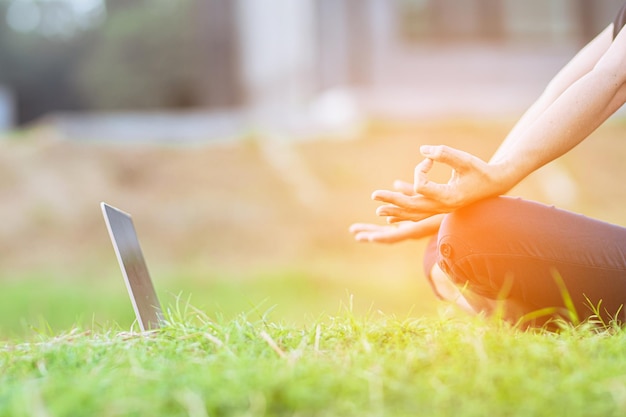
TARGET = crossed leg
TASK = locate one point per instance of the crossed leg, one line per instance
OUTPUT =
(519, 257)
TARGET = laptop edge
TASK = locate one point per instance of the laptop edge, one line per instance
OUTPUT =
(130, 257)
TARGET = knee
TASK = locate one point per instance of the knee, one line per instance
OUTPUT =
(474, 220)
(465, 235)
(480, 228)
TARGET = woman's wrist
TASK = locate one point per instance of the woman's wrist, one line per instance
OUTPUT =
(504, 175)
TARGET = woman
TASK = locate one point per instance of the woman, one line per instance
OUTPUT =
(521, 258)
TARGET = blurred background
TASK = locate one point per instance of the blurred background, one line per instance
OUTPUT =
(245, 136)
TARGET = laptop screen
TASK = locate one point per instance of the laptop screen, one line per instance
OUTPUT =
(129, 255)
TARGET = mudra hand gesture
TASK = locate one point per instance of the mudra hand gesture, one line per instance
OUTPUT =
(415, 210)
(472, 179)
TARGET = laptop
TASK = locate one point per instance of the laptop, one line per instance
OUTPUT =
(138, 282)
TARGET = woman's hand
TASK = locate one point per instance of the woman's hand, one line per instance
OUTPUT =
(365, 232)
(472, 179)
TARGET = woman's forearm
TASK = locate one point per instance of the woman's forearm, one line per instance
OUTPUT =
(576, 68)
(576, 113)
(566, 122)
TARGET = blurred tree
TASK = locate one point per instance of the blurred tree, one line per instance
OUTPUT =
(37, 65)
(144, 54)
(115, 6)
(159, 55)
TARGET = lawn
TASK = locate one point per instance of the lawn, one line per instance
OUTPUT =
(342, 365)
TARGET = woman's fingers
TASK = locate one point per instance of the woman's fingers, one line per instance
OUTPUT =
(364, 227)
(364, 232)
(463, 164)
(403, 187)
(457, 160)
(420, 175)
(424, 197)
(454, 158)
(435, 192)
(423, 186)
(398, 214)
(393, 235)
(392, 197)
(418, 205)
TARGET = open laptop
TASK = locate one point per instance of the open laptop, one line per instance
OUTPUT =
(129, 255)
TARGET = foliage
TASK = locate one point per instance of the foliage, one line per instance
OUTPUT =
(144, 57)
(40, 69)
(343, 366)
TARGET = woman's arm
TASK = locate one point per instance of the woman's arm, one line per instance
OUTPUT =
(579, 65)
(579, 110)
(541, 138)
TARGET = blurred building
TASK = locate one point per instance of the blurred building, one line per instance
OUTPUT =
(339, 42)
(505, 20)
(270, 61)
(290, 50)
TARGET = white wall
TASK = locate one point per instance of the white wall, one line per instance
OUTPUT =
(277, 55)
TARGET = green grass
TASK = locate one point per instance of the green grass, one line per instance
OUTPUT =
(92, 300)
(345, 365)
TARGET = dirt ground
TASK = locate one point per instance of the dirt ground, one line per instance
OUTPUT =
(254, 203)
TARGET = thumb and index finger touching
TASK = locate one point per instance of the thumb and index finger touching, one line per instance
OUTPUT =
(422, 186)
(455, 159)
(424, 197)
